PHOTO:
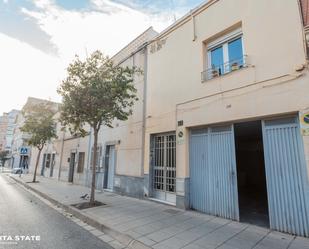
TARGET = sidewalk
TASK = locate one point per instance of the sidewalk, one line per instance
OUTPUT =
(143, 223)
(5, 170)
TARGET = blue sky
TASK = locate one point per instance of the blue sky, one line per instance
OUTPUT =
(38, 38)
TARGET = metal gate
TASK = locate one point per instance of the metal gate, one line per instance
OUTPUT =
(286, 173)
(213, 178)
(164, 167)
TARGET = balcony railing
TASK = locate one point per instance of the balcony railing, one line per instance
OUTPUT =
(228, 67)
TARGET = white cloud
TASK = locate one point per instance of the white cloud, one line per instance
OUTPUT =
(5, 1)
(108, 26)
(26, 71)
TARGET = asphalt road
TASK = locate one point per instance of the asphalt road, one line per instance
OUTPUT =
(22, 214)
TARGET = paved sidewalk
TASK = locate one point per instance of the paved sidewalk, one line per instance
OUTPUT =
(164, 227)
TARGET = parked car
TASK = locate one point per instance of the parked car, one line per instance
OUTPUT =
(17, 171)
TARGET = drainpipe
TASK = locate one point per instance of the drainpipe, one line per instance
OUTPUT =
(89, 154)
(61, 155)
(303, 30)
(193, 25)
(144, 108)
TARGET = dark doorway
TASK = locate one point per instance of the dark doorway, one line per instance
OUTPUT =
(43, 165)
(23, 163)
(109, 167)
(52, 164)
(251, 178)
(72, 166)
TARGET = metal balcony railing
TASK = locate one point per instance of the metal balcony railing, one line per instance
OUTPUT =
(228, 67)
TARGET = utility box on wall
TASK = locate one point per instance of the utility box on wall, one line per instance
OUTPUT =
(304, 122)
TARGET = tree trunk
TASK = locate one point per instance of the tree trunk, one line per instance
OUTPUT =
(36, 165)
(94, 163)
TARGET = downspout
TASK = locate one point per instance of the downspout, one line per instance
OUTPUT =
(305, 42)
(61, 155)
(144, 108)
(89, 154)
(193, 25)
(77, 158)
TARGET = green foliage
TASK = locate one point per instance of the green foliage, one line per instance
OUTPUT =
(39, 124)
(96, 92)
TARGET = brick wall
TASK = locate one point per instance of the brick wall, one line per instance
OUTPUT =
(305, 10)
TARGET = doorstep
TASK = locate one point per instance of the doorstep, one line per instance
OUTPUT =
(161, 201)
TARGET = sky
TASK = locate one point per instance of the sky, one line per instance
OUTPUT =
(39, 38)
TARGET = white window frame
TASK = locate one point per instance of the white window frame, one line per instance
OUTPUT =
(223, 42)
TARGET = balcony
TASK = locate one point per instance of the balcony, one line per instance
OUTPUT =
(223, 69)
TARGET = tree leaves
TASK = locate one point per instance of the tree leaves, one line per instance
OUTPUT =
(96, 92)
(39, 124)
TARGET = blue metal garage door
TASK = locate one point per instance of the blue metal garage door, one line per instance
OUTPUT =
(286, 173)
(213, 178)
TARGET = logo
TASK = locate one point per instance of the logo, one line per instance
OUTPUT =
(304, 123)
(180, 134)
(13, 240)
(306, 119)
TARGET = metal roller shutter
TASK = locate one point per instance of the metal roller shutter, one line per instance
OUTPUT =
(286, 173)
(213, 178)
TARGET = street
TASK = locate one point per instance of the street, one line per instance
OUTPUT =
(22, 214)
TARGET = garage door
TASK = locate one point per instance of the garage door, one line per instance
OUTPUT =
(286, 173)
(213, 178)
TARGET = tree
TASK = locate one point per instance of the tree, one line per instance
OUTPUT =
(96, 92)
(3, 157)
(40, 126)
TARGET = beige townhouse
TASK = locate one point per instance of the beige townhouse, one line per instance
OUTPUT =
(222, 121)
(120, 149)
(65, 157)
(227, 113)
(120, 167)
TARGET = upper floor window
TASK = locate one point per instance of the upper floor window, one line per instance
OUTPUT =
(224, 55)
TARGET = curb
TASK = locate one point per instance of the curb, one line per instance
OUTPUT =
(122, 238)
